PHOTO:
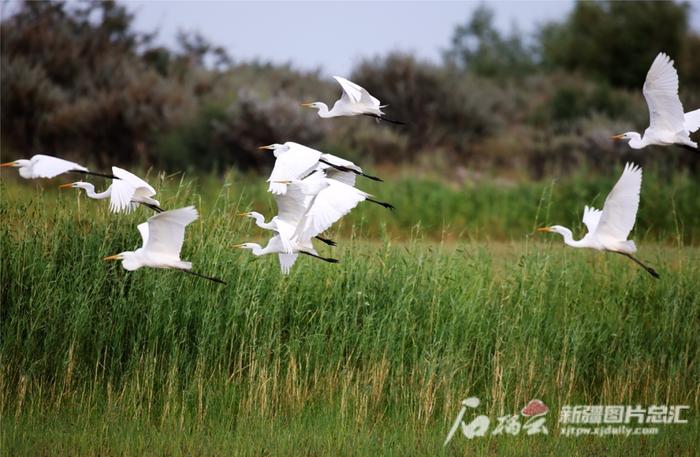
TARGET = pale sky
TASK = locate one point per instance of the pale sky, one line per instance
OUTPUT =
(331, 35)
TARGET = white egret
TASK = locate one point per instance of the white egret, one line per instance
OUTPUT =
(272, 225)
(667, 122)
(287, 260)
(354, 101)
(43, 166)
(608, 229)
(163, 235)
(296, 161)
(126, 191)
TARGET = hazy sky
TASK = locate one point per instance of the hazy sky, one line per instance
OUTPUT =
(331, 35)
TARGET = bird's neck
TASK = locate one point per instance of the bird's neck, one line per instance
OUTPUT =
(260, 221)
(323, 110)
(569, 238)
(257, 250)
(637, 142)
(90, 192)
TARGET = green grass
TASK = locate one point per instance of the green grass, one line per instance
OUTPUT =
(368, 357)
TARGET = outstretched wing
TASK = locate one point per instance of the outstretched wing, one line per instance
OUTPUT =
(353, 93)
(692, 120)
(294, 163)
(661, 93)
(143, 230)
(287, 261)
(145, 189)
(331, 204)
(620, 209)
(166, 231)
(293, 205)
(44, 166)
(591, 217)
(346, 177)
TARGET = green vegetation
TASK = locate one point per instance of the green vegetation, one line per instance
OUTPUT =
(368, 357)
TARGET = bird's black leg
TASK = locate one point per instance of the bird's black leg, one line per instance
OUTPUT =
(199, 275)
(325, 259)
(649, 270)
(350, 170)
(689, 148)
(326, 240)
(384, 204)
(155, 208)
(93, 173)
(385, 119)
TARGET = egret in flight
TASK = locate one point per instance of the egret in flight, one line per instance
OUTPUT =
(163, 235)
(296, 161)
(125, 192)
(354, 101)
(43, 166)
(667, 122)
(287, 260)
(608, 229)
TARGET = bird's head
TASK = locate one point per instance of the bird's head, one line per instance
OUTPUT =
(314, 105)
(624, 136)
(553, 229)
(75, 185)
(129, 260)
(270, 147)
(245, 246)
(16, 163)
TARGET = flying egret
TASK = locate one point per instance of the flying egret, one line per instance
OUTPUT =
(287, 260)
(125, 192)
(354, 101)
(43, 166)
(163, 235)
(293, 204)
(667, 123)
(296, 161)
(272, 225)
(608, 229)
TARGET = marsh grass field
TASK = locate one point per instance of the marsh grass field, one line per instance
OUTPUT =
(371, 356)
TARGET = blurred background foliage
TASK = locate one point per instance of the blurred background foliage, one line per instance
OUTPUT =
(80, 82)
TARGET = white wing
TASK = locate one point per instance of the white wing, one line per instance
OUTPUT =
(166, 231)
(295, 163)
(620, 209)
(591, 217)
(44, 166)
(692, 120)
(332, 203)
(661, 93)
(144, 188)
(293, 205)
(143, 230)
(346, 177)
(353, 93)
(287, 261)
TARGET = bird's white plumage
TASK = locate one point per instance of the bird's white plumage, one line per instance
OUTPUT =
(295, 161)
(661, 93)
(43, 166)
(287, 262)
(620, 208)
(591, 217)
(127, 190)
(346, 177)
(331, 204)
(692, 120)
(355, 94)
(164, 233)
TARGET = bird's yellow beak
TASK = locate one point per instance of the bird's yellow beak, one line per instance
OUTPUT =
(618, 137)
(307, 105)
(242, 214)
(544, 229)
(8, 164)
(113, 257)
(65, 186)
(240, 245)
(269, 146)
